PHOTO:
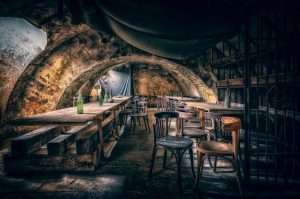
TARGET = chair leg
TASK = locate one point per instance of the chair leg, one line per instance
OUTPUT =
(178, 156)
(144, 118)
(134, 125)
(125, 120)
(147, 120)
(200, 161)
(209, 161)
(152, 160)
(192, 162)
(215, 164)
(239, 178)
(165, 158)
(131, 123)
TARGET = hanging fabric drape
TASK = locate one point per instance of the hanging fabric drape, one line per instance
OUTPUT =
(119, 83)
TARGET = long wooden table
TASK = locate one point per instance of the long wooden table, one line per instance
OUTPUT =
(216, 108)
(69, 117)
(203, 107)
(183, 99)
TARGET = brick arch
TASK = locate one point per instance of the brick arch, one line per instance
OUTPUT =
(185, 77)
(75, 60)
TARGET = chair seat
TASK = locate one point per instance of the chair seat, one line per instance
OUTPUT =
(194, 133)
(194, 120)
(139, 115)
(174, 142)
(215, 148)
(191, 125)
(127, 111)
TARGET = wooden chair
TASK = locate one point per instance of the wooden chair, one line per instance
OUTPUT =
(221, 149)
(174, 144)
(213, 125)
(161, 104)
(186, 129)
(140, 112)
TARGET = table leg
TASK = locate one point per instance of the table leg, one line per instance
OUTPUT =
(100, 131)
(115, 123)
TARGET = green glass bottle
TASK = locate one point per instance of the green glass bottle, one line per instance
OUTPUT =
(79, 104)
(101, 99)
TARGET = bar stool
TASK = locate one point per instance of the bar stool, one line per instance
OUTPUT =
(177, 145)
(220, 149)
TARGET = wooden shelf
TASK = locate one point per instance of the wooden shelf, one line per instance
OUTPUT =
(260, 81)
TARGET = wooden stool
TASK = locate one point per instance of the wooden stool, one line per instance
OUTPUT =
(220, 149)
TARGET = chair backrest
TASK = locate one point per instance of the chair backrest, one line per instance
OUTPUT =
(143, 106)
(211, 119)
(170, 105)
(161, 103)
(233, 125)
(161, 126)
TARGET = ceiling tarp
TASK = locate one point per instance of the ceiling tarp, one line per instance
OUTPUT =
(172, 29)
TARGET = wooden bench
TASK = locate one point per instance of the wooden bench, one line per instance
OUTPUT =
(88, 141)
(60, 144)
(32, 141)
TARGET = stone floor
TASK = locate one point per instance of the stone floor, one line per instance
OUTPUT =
(125, 175)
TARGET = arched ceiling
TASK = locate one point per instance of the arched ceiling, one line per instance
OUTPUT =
(171, 29)
(184, 77)
(75, 54)
(53, 78)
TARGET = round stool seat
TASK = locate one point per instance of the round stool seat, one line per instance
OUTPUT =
(174, 142)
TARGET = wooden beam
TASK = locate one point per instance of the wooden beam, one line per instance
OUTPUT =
(262, 80)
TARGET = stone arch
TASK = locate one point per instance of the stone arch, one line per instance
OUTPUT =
(184, 76)
(36, 93)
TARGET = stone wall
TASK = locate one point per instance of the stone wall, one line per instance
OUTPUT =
(154, 81)
(77, 54)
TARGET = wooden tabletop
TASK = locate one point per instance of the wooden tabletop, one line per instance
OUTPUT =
(69, 116)
(209, 107)
(182, 99)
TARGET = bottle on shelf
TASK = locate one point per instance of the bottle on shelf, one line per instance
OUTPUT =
(79, 103)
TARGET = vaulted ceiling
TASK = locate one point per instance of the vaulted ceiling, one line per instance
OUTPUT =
(88, 37)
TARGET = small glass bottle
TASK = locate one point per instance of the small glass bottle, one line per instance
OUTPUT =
(101, 99)
(79, 104)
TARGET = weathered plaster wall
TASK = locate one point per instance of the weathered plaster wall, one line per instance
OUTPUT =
(152, 80)
(20, 43)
